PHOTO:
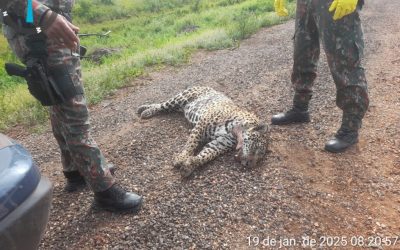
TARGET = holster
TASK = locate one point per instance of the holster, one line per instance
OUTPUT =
(50, 87)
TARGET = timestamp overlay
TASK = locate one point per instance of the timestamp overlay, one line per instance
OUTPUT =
(328, 241)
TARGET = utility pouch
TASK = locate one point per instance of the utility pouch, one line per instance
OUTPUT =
(42, 87)
(52, 87)
(37, 46)
(61, 78)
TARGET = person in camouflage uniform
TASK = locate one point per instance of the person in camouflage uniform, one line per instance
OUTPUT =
(82, 160)
(343, 43)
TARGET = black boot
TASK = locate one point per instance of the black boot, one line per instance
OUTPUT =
(116, 199)
(347, 135)
(343, 139)
(294, 115)
(75, 181)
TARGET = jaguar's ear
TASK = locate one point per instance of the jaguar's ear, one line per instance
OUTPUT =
(262, 128)
(238, 132)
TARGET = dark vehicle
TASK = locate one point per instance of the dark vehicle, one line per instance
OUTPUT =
(25, 198)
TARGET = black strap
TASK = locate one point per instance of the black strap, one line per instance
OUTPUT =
(360, 4)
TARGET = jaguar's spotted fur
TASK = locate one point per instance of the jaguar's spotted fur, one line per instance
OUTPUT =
(219, 123)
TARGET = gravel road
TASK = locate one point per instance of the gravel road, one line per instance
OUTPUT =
(300, 190)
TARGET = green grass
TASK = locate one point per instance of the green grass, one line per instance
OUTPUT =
(146, 33)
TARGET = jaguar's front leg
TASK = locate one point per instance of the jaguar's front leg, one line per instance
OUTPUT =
(180, 159)
(210, 151)
(191, 145)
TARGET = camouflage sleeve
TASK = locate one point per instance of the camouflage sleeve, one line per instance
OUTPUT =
(19, 8)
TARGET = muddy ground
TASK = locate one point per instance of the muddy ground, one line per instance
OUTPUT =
(299, 191)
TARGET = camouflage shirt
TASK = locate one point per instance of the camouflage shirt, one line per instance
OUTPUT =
(62, 5)
(39, 7)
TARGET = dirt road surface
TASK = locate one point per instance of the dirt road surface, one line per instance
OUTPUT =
(299, 191)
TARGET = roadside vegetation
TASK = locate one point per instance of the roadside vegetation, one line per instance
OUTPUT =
(144, 33)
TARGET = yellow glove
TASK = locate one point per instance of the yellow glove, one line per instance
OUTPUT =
(280, 8)
(342, 8)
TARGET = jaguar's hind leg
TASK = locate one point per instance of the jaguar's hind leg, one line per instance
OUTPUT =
(149, 110)
(176, 103)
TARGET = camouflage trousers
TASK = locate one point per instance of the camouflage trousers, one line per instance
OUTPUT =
(69, 120)
(343, 44)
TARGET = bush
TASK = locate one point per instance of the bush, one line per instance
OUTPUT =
(245, 25)
(107, 2)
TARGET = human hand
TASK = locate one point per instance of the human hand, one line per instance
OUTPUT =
(280, 8)
(59, 29)
(342, 8)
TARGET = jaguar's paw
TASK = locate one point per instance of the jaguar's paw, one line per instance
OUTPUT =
(186, 170)
(180, 159)
(145, 111)
(142, 108)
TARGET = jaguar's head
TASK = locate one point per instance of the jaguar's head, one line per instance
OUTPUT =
(252, 144)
